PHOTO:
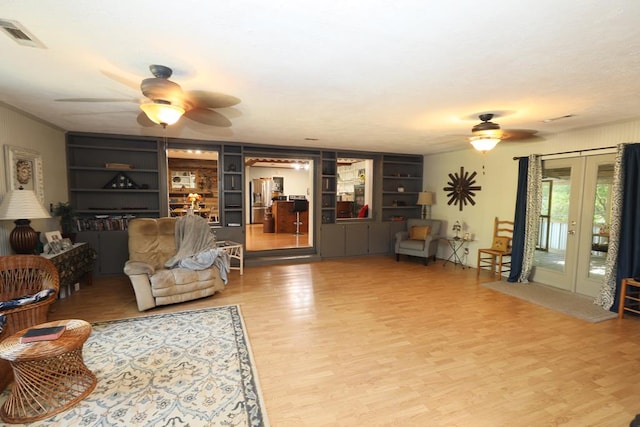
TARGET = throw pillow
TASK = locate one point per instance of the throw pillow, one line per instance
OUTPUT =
(419, 233)
(500, 243)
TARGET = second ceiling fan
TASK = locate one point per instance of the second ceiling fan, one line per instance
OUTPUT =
(487, 134)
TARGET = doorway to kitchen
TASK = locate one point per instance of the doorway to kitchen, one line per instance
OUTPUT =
(279, 212)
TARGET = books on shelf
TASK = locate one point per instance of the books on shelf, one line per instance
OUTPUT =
(104, 223)
(42, 334)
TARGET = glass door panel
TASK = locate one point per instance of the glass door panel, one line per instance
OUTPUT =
(545, 216)
(594, 230)
(554, 262)
(600, 221)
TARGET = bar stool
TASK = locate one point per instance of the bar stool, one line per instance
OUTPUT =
(299, 205)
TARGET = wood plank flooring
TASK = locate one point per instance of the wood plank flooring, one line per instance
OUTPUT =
(374, 342)
(258, 240)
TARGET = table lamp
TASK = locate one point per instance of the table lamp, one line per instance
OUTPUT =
(425, 198)
(22, 206)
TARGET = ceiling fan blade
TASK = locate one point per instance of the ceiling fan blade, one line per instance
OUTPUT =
(519, 134)
(230, 112)
(125, 81)
(208, 117)
(97, 100)
(206, 99)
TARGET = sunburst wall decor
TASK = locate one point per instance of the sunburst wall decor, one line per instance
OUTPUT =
(461, 189)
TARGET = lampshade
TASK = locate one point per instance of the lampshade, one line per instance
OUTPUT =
(162, 113)
(22, 206)
(425, 198)
(484, 143)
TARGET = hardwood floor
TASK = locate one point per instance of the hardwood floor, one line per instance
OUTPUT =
(372, 342)
(257, 240)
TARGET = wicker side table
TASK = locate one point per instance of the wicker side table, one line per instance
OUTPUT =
(50, 376)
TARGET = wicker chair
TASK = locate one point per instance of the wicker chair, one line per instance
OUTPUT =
(22, 275)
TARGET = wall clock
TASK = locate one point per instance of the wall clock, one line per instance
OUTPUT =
(461, 189)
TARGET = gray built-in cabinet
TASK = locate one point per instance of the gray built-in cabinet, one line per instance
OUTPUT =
(113, 178)
(401, 184)
(398, 183)
(355, 239)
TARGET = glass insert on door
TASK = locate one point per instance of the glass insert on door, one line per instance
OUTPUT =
(601, 221)
(554, 218)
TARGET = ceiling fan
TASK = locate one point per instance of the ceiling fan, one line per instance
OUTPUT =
(487, 134)
(166, 101)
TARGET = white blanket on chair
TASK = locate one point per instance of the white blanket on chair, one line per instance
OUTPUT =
(193, 237)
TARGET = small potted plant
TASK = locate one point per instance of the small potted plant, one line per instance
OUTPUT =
(67, 219)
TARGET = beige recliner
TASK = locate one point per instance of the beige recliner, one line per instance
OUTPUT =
(152, 242)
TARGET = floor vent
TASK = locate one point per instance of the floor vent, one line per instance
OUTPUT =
(19, 34)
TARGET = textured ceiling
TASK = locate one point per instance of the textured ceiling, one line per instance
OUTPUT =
(406, 76)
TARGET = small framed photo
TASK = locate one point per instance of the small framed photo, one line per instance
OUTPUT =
(66, 244)
(53, 236)
(53, 247)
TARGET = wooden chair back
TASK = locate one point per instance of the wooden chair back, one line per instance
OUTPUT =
(502, 235)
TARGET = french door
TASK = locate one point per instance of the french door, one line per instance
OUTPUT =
(574, 223)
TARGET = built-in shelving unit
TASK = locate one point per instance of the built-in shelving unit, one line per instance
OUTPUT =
(111, 180)
(329, 176)
(401, 184)
(232, 186)
(113, 176)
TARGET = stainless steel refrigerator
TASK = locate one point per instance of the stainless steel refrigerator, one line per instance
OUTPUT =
(261, 189)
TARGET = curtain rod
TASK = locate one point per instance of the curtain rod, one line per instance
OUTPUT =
(569, 152)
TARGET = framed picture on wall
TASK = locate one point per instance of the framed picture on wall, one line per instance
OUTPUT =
(24, 170)
(278, 184)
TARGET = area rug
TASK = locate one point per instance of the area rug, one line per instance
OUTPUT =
(555, 299)
(191, 368)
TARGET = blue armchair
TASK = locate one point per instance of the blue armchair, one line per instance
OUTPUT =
(420, 239)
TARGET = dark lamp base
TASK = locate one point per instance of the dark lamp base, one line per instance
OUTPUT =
(23, 238)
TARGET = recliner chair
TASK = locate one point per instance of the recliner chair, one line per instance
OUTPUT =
(152, 243)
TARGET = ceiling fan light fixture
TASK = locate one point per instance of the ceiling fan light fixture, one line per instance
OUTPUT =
(484, 143)
(162, 113)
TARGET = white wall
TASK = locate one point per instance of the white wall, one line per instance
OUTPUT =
(20, 130)
(498, 175)
(296, 182)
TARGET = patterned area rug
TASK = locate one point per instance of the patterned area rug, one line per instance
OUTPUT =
(559, 300)
(191, 368)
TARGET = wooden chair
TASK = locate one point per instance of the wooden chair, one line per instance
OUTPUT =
(23, 275)
(497, 258)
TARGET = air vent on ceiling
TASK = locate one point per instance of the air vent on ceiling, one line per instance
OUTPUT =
(19, 34)
(553, 119)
